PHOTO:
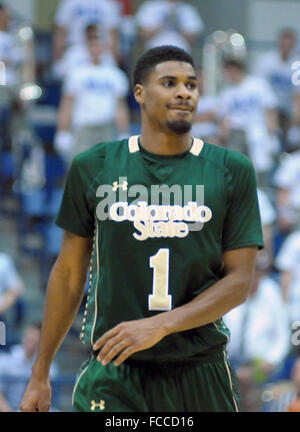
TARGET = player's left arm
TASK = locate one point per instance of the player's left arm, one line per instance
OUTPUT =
(230, 291)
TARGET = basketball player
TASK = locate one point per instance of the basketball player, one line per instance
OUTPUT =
(163, 267)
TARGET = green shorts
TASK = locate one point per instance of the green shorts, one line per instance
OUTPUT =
(207, 385)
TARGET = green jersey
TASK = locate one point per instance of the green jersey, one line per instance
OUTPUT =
(160, 226)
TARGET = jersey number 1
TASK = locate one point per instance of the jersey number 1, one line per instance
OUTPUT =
(160, 299)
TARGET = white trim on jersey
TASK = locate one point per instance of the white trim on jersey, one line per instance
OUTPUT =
(133, 143)
(197, 146)
(195, 149)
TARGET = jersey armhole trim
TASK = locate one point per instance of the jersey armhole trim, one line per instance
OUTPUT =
(133, 144)
(197, 146)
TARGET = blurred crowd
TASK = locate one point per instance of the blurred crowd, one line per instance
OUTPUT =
(63, 92)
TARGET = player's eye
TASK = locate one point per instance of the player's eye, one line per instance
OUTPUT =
(168, 83)
(191, 85)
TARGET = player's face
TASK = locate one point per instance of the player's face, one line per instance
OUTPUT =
(170, 96)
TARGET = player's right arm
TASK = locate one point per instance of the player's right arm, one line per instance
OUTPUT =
(64, 295)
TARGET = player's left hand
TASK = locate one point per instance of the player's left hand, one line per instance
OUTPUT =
(127, 338)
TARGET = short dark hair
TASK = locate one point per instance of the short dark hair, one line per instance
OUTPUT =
(154, 56)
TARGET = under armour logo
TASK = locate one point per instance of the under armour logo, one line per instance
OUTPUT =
(100, 405)
(123, 186)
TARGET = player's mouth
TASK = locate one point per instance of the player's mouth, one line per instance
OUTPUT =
(183, 108)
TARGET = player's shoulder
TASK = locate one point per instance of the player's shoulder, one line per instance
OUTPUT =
(91, 164)
(226, 158)
(97, 154)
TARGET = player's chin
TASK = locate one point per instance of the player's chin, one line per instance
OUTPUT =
(179, 127)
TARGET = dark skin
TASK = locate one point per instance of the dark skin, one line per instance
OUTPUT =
(168, 96)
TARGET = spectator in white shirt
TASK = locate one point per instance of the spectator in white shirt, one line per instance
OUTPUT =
(287, 182)
(260, 334)
(10, 52)
(287, 262)
(248, 108)
(72, 17)
(206, 121)
(277, 68)
(284, 396)
(78, 55)
(268, 219)
(260, 327)
(168, 22)
(15, 369)
(93, 107)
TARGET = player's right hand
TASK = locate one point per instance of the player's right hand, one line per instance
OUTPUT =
(37, 397)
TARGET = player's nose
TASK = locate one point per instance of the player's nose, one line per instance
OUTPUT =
(182, 92)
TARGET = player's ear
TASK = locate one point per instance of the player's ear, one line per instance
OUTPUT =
(139, 91)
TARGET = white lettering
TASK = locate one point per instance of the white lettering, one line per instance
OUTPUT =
(113, 211)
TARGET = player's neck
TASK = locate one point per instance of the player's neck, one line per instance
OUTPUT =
(167, 144)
